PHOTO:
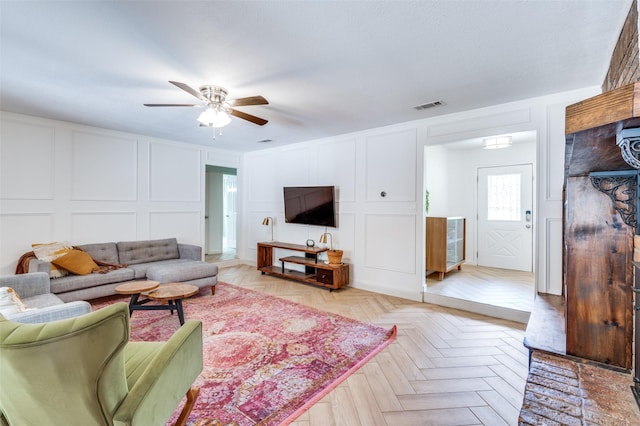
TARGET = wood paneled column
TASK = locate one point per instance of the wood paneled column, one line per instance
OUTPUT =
(598, 245)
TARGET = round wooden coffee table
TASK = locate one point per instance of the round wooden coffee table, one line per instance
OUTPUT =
(173, 293)
(170, 294)
(135, 288)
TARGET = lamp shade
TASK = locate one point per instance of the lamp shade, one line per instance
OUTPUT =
(268, 221)
(323, 239)
(214, 118)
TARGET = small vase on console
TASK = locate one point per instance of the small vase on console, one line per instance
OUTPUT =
(335, 257)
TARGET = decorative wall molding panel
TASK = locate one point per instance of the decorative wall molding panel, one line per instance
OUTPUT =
(33, 228)
(27, 161)
(183, 225)
(553, 253)
(335, 163)
(480, 122)
(262, 187)
(89, 227)
(295, 168)
(103, 167)
(395, 237)
(391, 166)
(554, 164)
(346, 239)
(166, 183)
(223, 158)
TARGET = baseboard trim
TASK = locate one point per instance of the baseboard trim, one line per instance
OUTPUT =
(478, 308)
(230, 262)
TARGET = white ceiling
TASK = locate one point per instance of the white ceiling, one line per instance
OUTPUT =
(326, 67)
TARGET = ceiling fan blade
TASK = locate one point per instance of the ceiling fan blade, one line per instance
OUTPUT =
(189, 90)
(171, 105)
(252, 118)
(252, 100)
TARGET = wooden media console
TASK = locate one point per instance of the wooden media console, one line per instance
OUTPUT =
(331, 276)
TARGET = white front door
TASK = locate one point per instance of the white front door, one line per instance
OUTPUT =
(505, 217)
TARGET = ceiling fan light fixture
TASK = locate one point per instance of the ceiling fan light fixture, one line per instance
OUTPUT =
(214, 118)
(218, 109)
(497, 142)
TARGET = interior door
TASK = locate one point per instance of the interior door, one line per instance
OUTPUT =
(505, 217)
(230, 183)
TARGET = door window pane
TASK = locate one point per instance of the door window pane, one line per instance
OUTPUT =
(503, 197)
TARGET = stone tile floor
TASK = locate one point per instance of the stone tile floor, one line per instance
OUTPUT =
(561, 391)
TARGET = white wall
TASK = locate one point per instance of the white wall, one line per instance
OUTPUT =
(61, 181)
(65, 182)
(383, 237)
(377, 233)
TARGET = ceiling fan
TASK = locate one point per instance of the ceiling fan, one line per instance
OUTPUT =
(218, 107)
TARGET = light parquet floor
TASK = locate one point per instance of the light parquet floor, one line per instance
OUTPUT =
(493, 286)
(446, 367)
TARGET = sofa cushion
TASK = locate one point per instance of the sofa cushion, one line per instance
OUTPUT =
(140, 269)
(182, 272)
(77, 282)
(134, 252)
(43, 301)
(104, 252)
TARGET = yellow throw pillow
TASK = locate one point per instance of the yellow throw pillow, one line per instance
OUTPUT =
(51, 251)
(77, 262)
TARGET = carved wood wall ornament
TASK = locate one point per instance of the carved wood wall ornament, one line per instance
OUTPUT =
(622, 188)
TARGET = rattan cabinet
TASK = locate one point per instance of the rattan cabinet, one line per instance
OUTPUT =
(445, 244)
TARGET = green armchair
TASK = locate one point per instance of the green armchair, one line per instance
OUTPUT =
(84, 371)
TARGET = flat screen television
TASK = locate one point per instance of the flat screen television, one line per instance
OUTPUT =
(310, 205)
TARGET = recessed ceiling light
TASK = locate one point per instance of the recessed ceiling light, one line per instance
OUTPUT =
(497, 142)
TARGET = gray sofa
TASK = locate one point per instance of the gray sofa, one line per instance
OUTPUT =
(158, 260)
(34, 291)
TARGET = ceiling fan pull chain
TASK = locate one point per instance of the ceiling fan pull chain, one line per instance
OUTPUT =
(214, 132)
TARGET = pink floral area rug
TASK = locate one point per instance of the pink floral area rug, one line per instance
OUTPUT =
(266, 359)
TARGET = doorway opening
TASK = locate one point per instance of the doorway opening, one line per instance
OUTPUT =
(494, 191)
(221, 189)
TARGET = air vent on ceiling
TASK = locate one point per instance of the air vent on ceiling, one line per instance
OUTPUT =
(428, 105)
(265, 141)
